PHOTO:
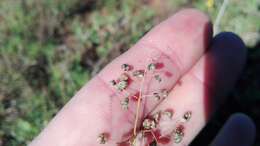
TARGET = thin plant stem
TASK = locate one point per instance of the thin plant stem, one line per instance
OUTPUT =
(139, 103)
(220, 15)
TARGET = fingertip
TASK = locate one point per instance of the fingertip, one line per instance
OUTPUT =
(232, 46)
(223, 63)
(195, 23)
(246, 125)
(184, 37)
(239, 130)
(192, 14)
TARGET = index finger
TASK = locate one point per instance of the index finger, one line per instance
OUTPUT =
(176, 44)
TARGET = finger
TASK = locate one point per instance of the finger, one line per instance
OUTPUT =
(201, 89)
(239, 130)
(177, 43)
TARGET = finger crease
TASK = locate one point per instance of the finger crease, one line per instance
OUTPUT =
(173, 57)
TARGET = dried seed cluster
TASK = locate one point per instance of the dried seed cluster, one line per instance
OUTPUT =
(149, 124)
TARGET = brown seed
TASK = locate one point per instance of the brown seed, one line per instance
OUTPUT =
(164, 93)
(121, 85)
(178, 134)
(156, 117)
(138, 73)
(126, 67)
(151, 67)
(168, 114)
(178, 137)
(158, 78)
(187, 116)
(156, 96)
(125, 103)
(149, 124)
(113, 82)
(102, 138)
(179, 129)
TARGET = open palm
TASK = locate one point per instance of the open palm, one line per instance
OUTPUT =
(160, 92)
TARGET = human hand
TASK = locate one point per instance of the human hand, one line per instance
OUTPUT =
(177, 77)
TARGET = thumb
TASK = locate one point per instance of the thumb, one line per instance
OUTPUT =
(239, 130)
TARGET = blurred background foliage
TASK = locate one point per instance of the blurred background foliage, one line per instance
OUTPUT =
(50, 48)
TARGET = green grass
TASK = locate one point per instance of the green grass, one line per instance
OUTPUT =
(50, 48)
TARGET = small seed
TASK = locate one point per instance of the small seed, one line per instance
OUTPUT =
(158, 78)
(138, 73)
(178, 134)
(179, 129)
(168, 114)
(156, 96)
(126, 67)
(149, 124)
(102, 138)
(113, 82)
(156, 117)
(187, 116)
(121, 85)
(164, 93)
(178, 138)
(125, 103)
(151, 67)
